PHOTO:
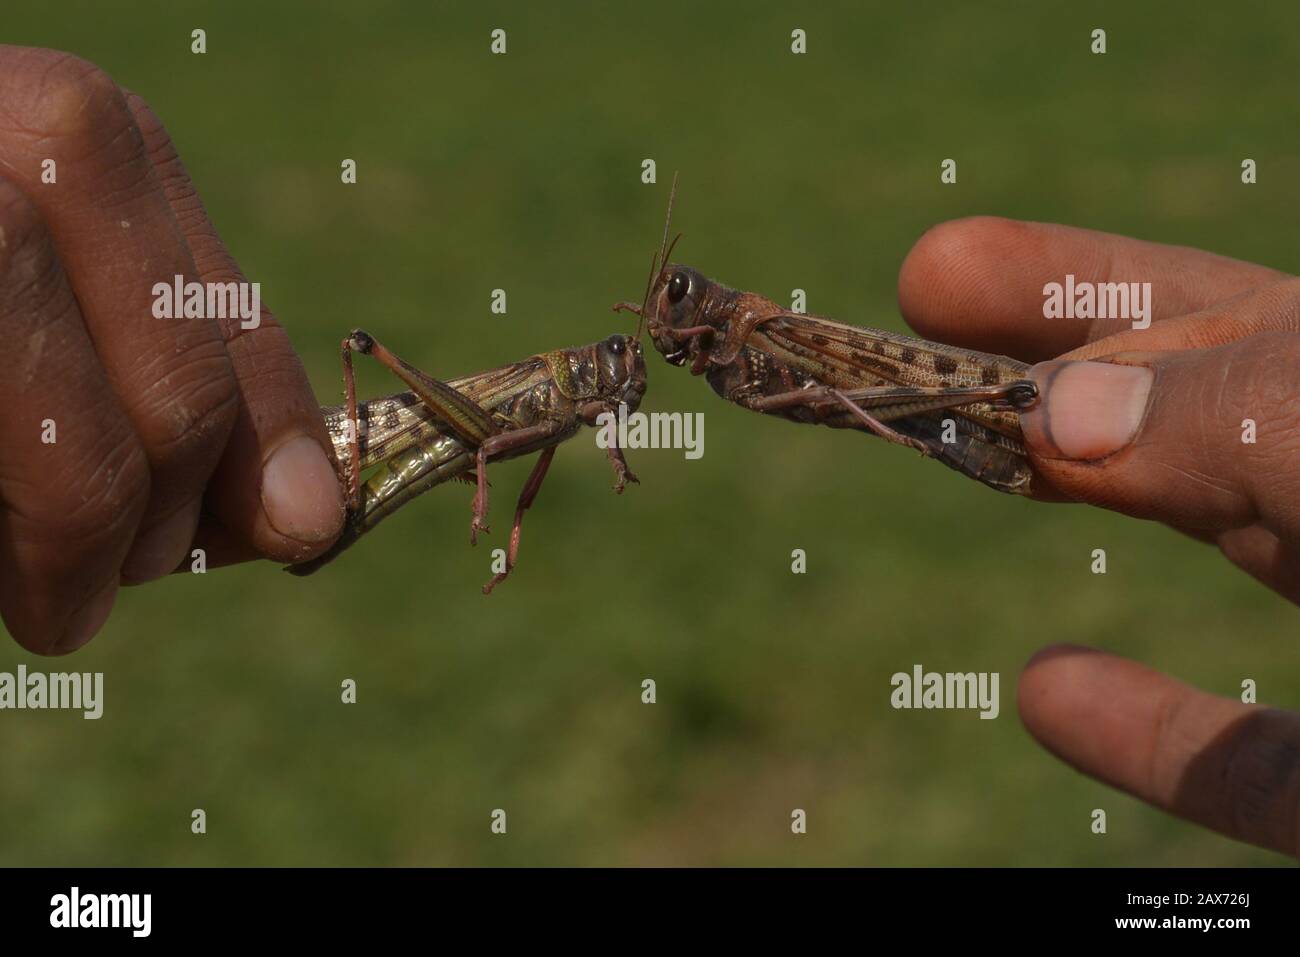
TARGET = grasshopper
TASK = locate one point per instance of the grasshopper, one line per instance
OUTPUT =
(439, 431)
(956, 405)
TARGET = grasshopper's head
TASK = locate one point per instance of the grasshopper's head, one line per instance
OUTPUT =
(681, 299)
(679, 302)
(620, 370)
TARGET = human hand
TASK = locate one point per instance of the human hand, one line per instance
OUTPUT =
(1159, 432)
(169, 434)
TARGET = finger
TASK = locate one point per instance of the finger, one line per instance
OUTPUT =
(979, 282)
(1232, 767)
(1272, 307)
(217, 546)
(117, 238)
(275, 489)
(1261, 554)
(1200, 440)
(74, 480)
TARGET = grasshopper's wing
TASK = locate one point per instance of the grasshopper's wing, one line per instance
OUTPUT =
(981, 442)
(860, 358)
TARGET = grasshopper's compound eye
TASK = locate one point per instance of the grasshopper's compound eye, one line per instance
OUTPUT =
(616, 345)
(678, 286)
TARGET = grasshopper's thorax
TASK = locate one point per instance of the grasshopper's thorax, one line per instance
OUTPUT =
(756, 373)
(611, 371)
(684, 299)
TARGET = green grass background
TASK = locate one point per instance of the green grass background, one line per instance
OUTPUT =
(522, 172)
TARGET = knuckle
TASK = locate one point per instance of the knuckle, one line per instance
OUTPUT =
(63, 535)
(105, 501)
(18, 214)
(162, 150)
(73, 98)
(21, 226)
(1253, 392)
(1261, 370)
(145, 117)
(116, 489)
(193, 407)
(264, 350)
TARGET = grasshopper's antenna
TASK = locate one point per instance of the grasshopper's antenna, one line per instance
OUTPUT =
(669, 251)
(663, 249)
(645, 300)
(657, 262)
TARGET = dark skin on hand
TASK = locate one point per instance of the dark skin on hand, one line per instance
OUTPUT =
(1154, 432)
(194, 433)
(171, 434)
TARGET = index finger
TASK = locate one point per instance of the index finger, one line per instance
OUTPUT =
(275, 492)
(1233, 767)
(978, 282)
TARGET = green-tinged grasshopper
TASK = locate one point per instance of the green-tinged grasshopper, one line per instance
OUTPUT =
(440, 431)
(955, 405)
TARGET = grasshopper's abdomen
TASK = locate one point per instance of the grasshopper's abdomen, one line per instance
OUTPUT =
(977, 452)
(406, 475)
(978, 442)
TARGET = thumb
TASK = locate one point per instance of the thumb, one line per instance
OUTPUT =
(1200, 439)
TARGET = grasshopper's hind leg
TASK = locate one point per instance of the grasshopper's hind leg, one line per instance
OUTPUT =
(468, 420)
(352, 468)
(878, 427)
(820, 396)
(899, 401)
(526, 496)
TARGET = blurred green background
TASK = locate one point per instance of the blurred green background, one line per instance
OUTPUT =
(523, 171)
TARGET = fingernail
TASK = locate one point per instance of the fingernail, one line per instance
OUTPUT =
(86, 620)
(157, 551)
(301, 493)
(1088, 410)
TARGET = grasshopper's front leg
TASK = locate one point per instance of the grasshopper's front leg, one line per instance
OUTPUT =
(591, 414)
(622, 474)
